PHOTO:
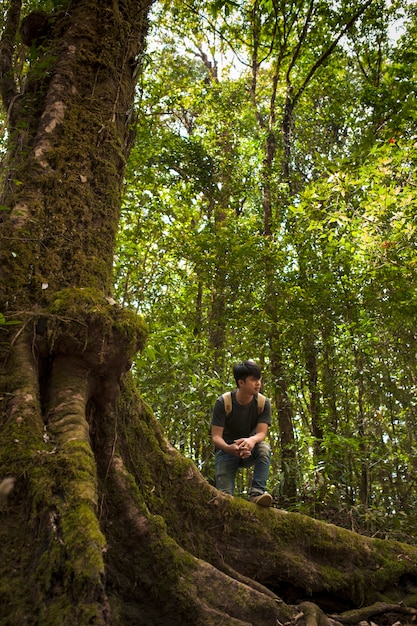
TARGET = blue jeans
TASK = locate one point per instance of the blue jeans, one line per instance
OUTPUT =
(226, 466)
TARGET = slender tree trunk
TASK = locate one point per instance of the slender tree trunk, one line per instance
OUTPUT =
(222, 295)
(328, 379)
(282, 399)
(364, 489)
(286, 430)
(314, 395)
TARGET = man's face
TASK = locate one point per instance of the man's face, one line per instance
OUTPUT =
(251, 385)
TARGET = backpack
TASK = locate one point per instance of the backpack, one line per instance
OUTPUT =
(227, 397)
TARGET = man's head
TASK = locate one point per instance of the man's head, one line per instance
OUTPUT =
(247, 368)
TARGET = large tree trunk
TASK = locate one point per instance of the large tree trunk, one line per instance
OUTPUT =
(107, 524)
(69, 136)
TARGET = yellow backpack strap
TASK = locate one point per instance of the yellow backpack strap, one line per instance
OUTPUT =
(227, 398)
(261, 403)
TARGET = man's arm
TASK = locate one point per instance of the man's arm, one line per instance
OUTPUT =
(261, 430)
(219, 442)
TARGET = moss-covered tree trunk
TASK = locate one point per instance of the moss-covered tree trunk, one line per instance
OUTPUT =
(101, 521)
(69, 128)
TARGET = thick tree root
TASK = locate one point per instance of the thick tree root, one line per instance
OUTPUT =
(200, 593)
(223, 567)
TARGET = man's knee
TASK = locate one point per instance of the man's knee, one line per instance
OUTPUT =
(264, 450)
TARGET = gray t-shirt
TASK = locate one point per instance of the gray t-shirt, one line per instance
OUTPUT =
(242, 420)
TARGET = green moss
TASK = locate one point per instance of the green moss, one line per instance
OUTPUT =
(410, 600)
(72, 567)
(16, 567)
(84, 549)
(76, 301)
(60, 610)
(96, 314)
(42, 483)
(132, 328)
(332, 578)
(77, 472)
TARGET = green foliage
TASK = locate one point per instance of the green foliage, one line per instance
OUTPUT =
(331, 291)
(7, 322)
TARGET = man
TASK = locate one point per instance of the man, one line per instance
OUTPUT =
(239, 436)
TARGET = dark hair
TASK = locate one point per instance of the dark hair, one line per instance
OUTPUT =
(247, 368)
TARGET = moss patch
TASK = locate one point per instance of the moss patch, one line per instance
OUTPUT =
(90, 315)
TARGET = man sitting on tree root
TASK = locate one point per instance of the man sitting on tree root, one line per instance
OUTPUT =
(238, 429)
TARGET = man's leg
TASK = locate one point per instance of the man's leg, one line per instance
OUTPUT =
(226, 466)
(261, 455)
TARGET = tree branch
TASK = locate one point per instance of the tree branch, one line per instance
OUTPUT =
(329, 50)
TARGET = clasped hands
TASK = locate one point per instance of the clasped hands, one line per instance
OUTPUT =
(243, 447)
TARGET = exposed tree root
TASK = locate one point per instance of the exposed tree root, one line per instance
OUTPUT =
(198, 591)
(247, 581)
(355, 616)
(313, 615)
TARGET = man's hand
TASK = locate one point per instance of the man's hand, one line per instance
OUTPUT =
(245, 446)
(236, 450)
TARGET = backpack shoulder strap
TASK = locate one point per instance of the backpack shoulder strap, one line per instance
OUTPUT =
(227, 397)
(261, 403)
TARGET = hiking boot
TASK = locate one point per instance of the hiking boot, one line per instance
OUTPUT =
(265, 499)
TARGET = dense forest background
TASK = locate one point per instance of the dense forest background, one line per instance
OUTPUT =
(270, 213)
